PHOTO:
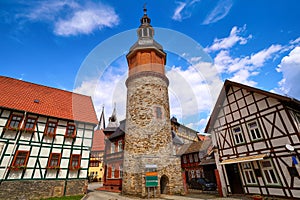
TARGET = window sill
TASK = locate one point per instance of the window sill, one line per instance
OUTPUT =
(30, 131)
(17, 168)
(53, 168)
(70, 136)
(74, 168)
(50, 135)
(11, 128)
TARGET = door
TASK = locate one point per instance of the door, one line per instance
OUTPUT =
(234, 179)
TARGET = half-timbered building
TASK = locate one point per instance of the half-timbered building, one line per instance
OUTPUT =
(45, 139)
(256, 137)
(197, 160)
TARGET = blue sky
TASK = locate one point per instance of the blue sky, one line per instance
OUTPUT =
(81, 46)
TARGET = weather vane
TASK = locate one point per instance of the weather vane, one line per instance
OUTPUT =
(145, 9)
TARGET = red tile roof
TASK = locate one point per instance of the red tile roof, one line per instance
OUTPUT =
(98, 141)
(43, 100)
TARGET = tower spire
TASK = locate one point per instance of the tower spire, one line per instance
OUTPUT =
(101, 124)
(145, 9)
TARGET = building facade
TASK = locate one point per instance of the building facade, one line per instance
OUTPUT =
(96, 167)
(256, 137)
(45, 140)
(113, 157)
(197, 160)
(148, 142)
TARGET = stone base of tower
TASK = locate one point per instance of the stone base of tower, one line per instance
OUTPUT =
(169, 176)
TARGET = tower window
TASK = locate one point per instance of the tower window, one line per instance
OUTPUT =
(158, 112)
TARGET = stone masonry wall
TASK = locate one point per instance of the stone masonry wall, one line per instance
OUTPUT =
(37, 189)
(148, 137)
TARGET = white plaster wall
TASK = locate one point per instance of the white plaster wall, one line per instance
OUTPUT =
(43, 162)
(28, 173)
(78, 141)
(15, 174)
(5, 161)
(66, 153)
(62, 173)
(31, 162)
(275, 191)
(85, 154)
(84, 163)
(87, 142)
(79, 133)
(64, 163)
(62, 122)
(59, 139)
(3, 122)
(88, 134)
(5, 113)
(296, 193)
(83, 174)
(37, 174)
(60, 130)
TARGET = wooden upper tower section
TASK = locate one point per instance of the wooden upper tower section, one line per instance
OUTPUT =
(146, 54)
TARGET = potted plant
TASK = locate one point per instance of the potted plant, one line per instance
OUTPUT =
(257, 197)
(54, 167)
(17, 167)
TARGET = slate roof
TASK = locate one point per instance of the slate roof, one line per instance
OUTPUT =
(47, 101)
(119, 131)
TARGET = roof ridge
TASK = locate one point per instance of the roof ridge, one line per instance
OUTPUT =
(46, 86)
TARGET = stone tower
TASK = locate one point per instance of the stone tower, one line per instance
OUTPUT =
(148, 139)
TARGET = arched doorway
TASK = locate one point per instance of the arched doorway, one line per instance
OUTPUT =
(164, 182)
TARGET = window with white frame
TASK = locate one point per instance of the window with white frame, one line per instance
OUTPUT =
(198, 173)
(184, 159)
(120, 145)
(112, 147)
(254, 131)
(269, 173)
(196, 157)
(238, 135)
(113, 171)
(191, 158)
(192, 173)
(248, 173)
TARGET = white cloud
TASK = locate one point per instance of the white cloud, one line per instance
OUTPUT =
(241, 69)
(177, 13)
(191, 91)
(290, 69)
(87, 20)
(219, 12)
(69, 17)
(228, 42)
(260, 57)
(184, 10)
(42, 10)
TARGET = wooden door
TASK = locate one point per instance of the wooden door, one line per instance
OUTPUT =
(234, 179)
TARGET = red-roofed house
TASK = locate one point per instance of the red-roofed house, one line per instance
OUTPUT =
(45, 140)
(96, 169)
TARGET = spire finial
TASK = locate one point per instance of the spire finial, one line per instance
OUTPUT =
(145, 9)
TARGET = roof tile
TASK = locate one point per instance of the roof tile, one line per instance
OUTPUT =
(43, 100)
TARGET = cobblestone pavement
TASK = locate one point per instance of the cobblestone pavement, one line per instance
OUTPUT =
(94, 194)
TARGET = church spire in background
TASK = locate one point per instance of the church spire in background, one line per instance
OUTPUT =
(101, 124)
